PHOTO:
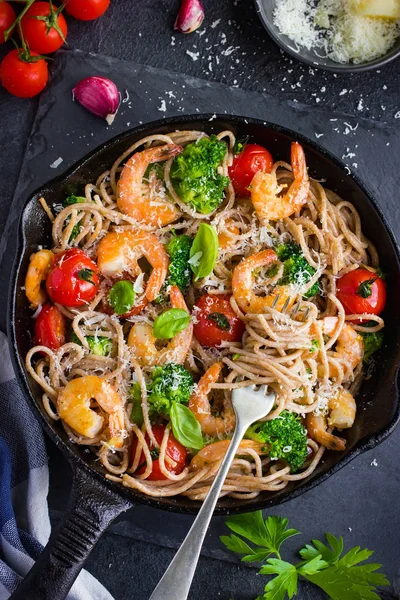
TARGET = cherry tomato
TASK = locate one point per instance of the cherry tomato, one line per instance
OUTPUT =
(74, 279)
(361, 291)
(23, 78)
(215, 321)
(43, 36)
(7, 18)
(245, 165)
(174, 450)
(50, 327)
(86, 10)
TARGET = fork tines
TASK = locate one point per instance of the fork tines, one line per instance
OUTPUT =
(295, 310)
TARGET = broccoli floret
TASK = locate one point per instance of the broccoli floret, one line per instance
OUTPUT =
(373, 342)
(169, 383)
(179, 272)
(194, 174)
(135, 397)
(72, 199)
(296, 269)
(285, 436)
(98, 345)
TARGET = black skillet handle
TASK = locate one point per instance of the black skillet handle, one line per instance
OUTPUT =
(92, 507)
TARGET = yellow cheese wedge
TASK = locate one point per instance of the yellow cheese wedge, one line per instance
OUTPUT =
(389, 9)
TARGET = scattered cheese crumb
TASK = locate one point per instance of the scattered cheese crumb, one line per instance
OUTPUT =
(374, 463)
(56, 163)
(193, 55)
(162, 107)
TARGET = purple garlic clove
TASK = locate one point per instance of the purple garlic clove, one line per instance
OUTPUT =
(190, 16)
(99, 96)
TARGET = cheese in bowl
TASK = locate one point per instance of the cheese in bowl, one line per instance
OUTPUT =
(346, 31)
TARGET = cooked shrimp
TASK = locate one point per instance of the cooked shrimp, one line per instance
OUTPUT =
(216, 451)
(158, 211)
(242, 285)
(225, 241)
(119, 253)
(39, 267)
(143, 343)
(74, 403)
(200, 405)
(341, 415)
(265, 189)
(349, 347)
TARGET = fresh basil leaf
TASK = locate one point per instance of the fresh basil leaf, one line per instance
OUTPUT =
(170, 322)
(220, 320)
(205, 250)
(122, 297)
(185, 427)
(86, 275)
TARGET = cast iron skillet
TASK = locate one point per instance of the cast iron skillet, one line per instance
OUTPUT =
(94, 501)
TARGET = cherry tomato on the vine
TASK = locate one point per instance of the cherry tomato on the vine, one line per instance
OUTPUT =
(245, 165)
(50, 327)
(47, 33)
(175, 451)
(361, 291)
(23, 77)
(215, 321)
(7, 18)
(86, 10)
(74, 279)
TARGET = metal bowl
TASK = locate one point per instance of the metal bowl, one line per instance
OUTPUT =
(265, 10)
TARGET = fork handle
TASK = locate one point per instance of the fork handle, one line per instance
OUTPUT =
(177, 579)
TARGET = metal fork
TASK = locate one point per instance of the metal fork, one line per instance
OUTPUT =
(250, 405)
(293, 312)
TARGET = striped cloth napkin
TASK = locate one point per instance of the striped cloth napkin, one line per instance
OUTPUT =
(24, 485)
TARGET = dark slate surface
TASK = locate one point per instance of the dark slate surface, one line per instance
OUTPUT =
(359, 502)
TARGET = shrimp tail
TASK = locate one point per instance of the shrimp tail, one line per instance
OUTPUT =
(316, 427)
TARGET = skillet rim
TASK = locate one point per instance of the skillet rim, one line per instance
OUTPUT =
(77, 462)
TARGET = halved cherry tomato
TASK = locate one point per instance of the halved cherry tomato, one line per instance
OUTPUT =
(73, 280)
(21, 77)
(245, 165)
(86, 10)
(7, 18)
(50, 327)
(174, 450)
(43, 34)
(215, 321)
(361, 291)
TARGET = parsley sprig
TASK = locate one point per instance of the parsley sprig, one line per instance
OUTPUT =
(340, 576)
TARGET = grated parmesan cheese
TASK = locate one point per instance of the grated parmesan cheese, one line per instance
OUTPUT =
(331, 26)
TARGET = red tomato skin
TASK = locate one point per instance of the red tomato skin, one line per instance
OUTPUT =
(86, 10)
(35, 31)
(245, 165)
(63, 284)
(206, 330)
(50, 327)
(23, 79)
(7, 18)
(174, 450)
(347, 288)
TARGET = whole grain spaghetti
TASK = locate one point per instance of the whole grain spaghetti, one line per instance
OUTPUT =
(184, 272)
